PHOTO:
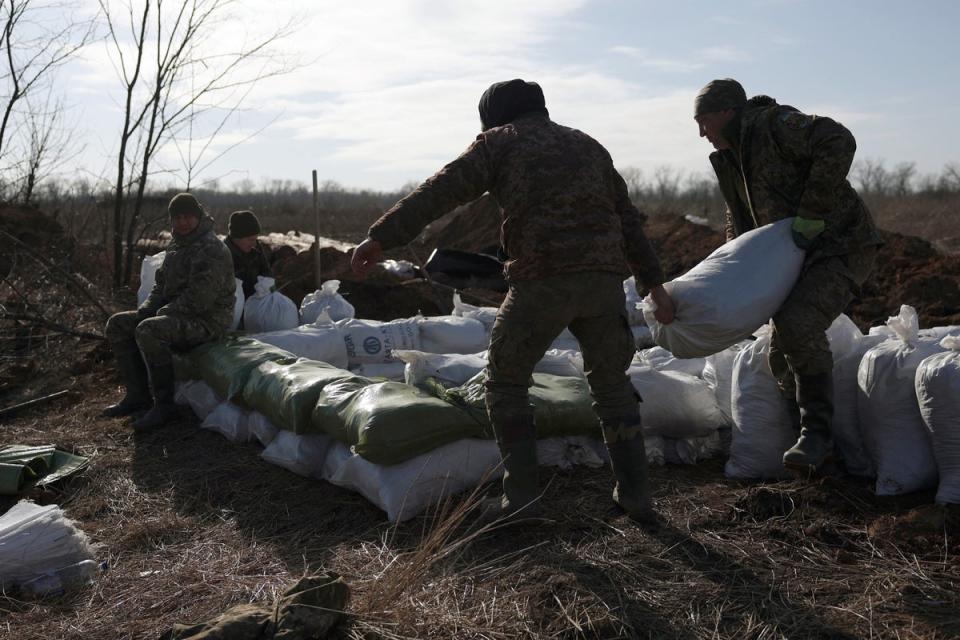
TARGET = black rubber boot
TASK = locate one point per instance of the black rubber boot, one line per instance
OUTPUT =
(164, 410)
(521, 475)
(628, 457)
(134, 376)
(815, 446)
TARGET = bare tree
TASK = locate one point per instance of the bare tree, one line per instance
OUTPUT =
(184, 80)
(33, 46)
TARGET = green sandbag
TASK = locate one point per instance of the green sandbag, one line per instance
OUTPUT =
(562, 405)
(389, 422)
(287, 393)
(226, 364)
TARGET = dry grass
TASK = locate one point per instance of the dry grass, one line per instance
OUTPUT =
(189, 524)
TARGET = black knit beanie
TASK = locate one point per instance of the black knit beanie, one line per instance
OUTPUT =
(243, 224)
(505, 101)
(184, 204)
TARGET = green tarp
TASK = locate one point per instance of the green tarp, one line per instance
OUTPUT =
(287, 393)
(22, 465)
(226, 364)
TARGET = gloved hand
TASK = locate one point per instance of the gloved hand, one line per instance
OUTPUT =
(805, 231)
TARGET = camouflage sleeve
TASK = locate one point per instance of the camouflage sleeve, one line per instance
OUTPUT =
(828, 147)
(199, 298)
(155, 298)
(641, 257)
(463, 180)
(728, 228)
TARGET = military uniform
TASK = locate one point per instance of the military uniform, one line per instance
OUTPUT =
(783, 163)
(249, 266)
(191, 303)
(570, 234)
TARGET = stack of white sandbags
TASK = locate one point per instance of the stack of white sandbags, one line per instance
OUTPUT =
(662, 360)
(718, 373)
(890, 421)
(938, 392)
(675, 404)
(322, 341)
(731, 293)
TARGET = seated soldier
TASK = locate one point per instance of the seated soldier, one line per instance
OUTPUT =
(191, 303)
(249, 259)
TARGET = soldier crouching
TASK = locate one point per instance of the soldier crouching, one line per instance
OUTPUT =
(191, 303)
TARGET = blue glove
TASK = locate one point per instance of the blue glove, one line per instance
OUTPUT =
(805, 231)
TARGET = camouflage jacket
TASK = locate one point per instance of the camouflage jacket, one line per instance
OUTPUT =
(564, 206)
(249, 266)
(195, 281)
(788, 164)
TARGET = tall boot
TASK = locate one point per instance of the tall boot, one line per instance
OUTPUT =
(164, 410)
(134, 375)
(628, 457)
(517, 440)
(815, 446)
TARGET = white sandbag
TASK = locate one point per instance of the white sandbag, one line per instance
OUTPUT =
(148, 275)
(411, 487)
(634, 313)
(326, 299)
(566, 341)
(561, 362)
(374, 341)
(568, 452)
(199, 396)
(389, 370)
(729, 295)
(642, 336)
(892, 427)
(938, 393)
(42, 551)
(691, 450)
(451, 370)
(230, 420)
(486, 315)
(304, 455)
(848, 346)
(321, 342)
(452, 334)
(261, 428)
(239, 301)
(662, 360)
(402, 269)
(675, 405)
(762, 428)
(718, 373)
(269, 310)
(655, 447)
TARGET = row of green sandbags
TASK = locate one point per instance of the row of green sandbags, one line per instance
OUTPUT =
(385, 422)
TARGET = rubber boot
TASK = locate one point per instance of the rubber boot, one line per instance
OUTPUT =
(815, 446)
(628, 457)
(134, 375)
(164, 410)
(521, 477)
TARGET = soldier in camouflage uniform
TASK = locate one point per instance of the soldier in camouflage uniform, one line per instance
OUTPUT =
(774, 162)
(249, 259)
(191, 303)
(571, 235)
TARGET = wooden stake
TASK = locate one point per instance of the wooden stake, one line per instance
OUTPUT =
(316, 218)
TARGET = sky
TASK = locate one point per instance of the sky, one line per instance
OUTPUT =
(385, 92)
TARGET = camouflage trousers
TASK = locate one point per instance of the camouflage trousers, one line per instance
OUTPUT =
(155, 338)
(533, 314)
(799, 345)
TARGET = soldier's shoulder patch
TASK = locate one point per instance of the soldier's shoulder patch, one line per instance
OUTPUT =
(795, 120)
